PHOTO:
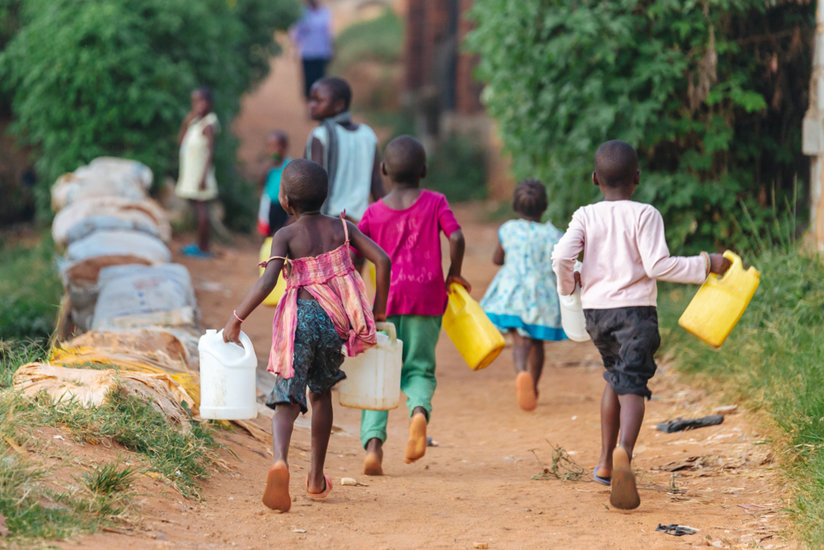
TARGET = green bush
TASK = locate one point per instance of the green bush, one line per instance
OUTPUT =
(105, 77)
(30, 291)
(711, 93)
(457, 169)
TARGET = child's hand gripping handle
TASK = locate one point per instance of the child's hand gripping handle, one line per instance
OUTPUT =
(389, 329)
(722, 264)
(248, 349)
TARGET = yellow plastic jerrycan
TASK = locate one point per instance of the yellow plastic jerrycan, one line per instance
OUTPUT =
(466, 324)
(720, 302)
(274, 296)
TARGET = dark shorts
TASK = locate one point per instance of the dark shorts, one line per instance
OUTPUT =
(313, 70)
(627, 338)
(317, 358)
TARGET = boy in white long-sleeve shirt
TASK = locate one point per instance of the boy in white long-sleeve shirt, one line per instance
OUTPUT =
(625, 252)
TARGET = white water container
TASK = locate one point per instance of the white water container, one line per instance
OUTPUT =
(572, 313)
(227, 377)
(373, 378)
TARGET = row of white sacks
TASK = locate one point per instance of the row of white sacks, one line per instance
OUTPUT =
(116, 266)
(134, 313)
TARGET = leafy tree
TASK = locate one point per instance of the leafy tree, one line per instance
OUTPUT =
(106, 77)
(710, 92)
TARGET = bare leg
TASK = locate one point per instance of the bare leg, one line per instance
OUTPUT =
(202, 215)
(610, 424)
(373, 462)
(321, 431)
(520, 351)
(524, 382)
(624, 491)
(276, 494)
(632, 415)
(535, 360)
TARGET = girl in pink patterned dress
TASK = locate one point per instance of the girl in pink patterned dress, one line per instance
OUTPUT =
(325, 308)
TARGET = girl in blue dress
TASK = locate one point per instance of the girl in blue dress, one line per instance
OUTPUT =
(522, 299)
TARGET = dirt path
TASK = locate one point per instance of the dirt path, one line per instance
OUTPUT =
(476, 487)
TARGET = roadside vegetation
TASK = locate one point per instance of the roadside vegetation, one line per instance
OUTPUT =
(771, 362)
(712, 98)
(30, 290)
(115, 79)
(35, 506)
(32, 504)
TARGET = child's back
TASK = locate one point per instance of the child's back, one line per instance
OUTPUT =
(354, 159)
(624, 254)
(323, 310)
(411, 237)
(313, 236)
(528, 245)
(407, 224)
(522, 300)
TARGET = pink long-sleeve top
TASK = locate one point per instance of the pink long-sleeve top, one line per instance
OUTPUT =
(625, 252)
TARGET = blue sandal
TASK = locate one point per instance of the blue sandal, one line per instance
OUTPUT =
(195, 251)
(599, 479)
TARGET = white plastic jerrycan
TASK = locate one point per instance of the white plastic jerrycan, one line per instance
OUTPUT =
(572, 313)
(373, 378)
(227, 377)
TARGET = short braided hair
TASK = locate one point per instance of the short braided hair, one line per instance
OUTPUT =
(530, 198)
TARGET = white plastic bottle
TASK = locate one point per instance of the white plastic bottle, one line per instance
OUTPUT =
(572, 313)
(227, 377)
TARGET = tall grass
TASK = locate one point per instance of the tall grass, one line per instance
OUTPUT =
(773, 360)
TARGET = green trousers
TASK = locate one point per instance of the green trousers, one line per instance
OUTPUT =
(420, 335)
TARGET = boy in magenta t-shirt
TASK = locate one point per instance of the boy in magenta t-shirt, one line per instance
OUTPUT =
(407, 224)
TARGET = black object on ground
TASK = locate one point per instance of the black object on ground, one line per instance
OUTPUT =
(680, 424)
(676, 530)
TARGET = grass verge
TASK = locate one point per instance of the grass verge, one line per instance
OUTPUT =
(772, 361)
(34, 507)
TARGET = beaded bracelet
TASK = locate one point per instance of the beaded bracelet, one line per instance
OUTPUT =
(237, 316)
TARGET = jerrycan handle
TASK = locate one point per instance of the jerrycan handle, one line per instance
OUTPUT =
(458, 293)
(389, 328)
(736, 265)
(248, 349)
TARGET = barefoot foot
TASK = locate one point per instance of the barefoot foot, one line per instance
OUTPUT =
(416, 446)
(373, 464)
(525, 391)
(276, 493)
(624, 493)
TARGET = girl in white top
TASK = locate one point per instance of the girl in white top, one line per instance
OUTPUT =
(196, 180)
(347, 151)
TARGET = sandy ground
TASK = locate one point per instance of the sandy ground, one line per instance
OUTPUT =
(477, 488)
